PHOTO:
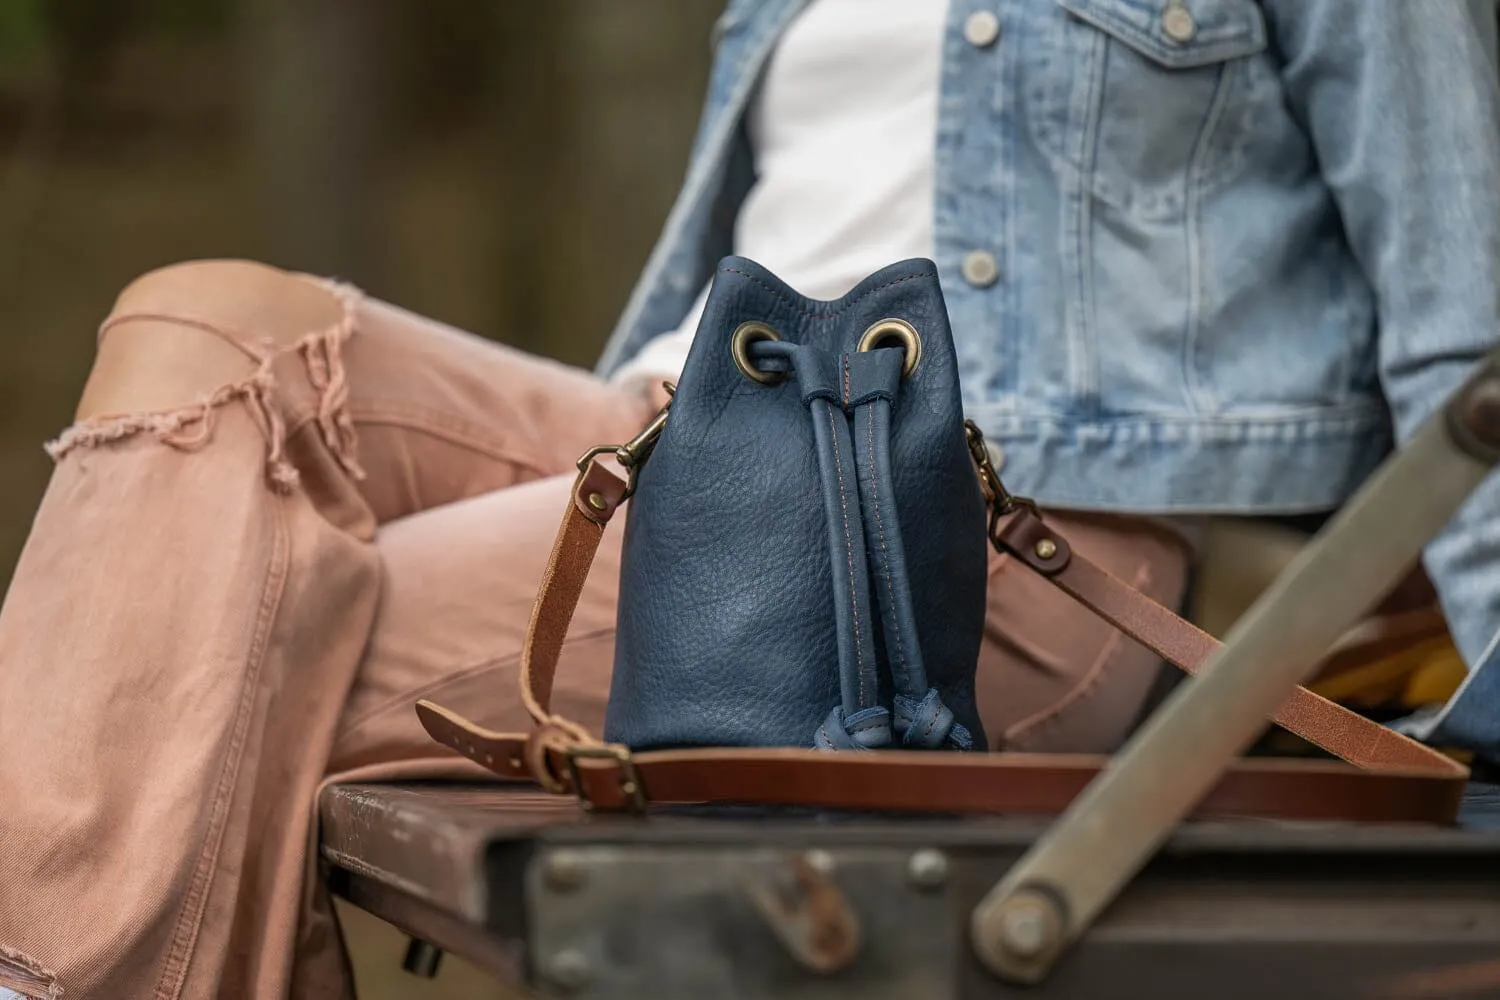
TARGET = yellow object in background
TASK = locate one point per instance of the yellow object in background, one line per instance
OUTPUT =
(1424, 673)
(1427, 672)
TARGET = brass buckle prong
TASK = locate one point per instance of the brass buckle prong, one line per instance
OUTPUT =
(630, 777)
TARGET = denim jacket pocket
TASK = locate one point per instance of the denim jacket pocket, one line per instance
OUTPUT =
(1151, 100)
(1178, 34)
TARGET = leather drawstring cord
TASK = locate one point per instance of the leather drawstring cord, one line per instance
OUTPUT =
(849, 398)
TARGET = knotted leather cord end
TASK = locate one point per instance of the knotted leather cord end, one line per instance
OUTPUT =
(929, 724)
(925, 724)
(868, 729)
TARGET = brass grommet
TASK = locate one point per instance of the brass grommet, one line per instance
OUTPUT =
(893, 332)
(1045, 549)
(746, 334)
(597, 501)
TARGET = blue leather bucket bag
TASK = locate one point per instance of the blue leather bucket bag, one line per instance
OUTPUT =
(805, 555)
(805, 569)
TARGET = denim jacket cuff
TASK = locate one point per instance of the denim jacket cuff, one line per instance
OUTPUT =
(1469, 720)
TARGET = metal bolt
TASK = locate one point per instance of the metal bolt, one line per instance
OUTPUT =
(596, 501)
(1029, 926)
(927, 869)
(819, 861)
(564, 871)
(1046, 548)
(569, 970)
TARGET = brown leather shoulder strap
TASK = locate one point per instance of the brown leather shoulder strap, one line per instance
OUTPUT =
(596, 496)
(1403, 780)
(1329, 726)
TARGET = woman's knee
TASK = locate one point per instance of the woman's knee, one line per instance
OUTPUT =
(185, 329)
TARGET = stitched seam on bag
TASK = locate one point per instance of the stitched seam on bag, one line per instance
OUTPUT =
(885, 565)
(931, 726)
(859, 647)
(803, 307)
(190, 917)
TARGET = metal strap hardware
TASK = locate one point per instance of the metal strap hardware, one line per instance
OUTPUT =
(632, 454)
(1114, 811)
(630, 778)
(1053, 894)
(1001, 501)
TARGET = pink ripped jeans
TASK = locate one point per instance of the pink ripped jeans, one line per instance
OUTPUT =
(285, 513)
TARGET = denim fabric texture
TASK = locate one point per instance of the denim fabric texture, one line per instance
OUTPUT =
(1244, 247)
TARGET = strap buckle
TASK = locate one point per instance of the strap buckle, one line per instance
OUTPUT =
(630, 776)
(632, 454)
(1001, 500)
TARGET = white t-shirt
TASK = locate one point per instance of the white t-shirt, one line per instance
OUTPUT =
(843, 128)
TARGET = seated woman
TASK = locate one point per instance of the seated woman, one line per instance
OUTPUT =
(1196, 264)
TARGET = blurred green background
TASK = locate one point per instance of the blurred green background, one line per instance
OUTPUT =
(502, 166)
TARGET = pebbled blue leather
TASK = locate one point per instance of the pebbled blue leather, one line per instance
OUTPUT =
(734, 627)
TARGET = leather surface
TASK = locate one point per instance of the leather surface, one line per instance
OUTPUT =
(1331, 727)
(860, 715)
(923, 782)
(1401, 781)
(728, 624)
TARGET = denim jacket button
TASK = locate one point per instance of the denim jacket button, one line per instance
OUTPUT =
(981, 28)
(980, 268)
(1178, 24)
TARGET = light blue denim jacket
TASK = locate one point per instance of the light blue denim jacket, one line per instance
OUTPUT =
(1240, 243)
